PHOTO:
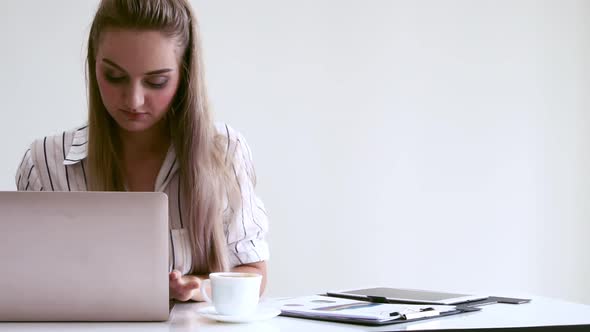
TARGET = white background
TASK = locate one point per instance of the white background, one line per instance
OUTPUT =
(427, 144)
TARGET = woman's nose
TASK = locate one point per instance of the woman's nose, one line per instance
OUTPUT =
(134, 98)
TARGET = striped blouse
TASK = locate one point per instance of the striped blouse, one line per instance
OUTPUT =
(57, 163)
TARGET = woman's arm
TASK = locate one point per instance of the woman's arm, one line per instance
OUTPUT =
(258, 267)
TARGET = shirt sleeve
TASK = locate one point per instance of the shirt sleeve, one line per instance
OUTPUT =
(247, 227)
(27, 177)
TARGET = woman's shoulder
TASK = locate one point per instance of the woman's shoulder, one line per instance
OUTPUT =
(227, 132)
(45, 165)
(68, 146)
(60, 135)
(236, 151)
(233, 140)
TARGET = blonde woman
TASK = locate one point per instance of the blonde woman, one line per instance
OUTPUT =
(150, 129)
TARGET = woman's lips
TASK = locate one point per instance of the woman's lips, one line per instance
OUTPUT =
(134, 115)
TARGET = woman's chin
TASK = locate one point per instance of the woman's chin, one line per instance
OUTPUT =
(134, 126)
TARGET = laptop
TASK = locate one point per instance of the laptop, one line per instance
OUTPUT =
(83, 256)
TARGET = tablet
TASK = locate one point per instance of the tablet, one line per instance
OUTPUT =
(384, 294)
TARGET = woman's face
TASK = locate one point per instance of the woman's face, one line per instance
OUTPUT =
(138, 74)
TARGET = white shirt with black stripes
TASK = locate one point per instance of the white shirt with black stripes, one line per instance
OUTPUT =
(58, 163)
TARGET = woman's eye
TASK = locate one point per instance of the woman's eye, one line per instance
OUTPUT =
(157, 82)
(114, 78)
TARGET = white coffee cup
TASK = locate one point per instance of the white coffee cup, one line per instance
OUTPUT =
(233, 293)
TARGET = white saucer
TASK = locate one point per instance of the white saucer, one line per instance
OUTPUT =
(262, 313)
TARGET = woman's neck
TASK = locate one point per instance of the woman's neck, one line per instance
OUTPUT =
(145, 144)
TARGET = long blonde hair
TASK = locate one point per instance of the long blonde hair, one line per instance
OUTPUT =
(203, 169)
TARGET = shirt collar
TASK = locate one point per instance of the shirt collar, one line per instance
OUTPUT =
(79, 148)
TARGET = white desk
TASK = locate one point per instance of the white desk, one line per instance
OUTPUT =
(540, 312)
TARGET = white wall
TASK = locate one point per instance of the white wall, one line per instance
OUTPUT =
(428, 144)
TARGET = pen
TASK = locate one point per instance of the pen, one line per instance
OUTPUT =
(424, 312)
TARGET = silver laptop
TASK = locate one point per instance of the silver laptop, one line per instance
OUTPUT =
(83, 256)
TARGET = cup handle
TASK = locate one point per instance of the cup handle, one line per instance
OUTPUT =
(204, 285)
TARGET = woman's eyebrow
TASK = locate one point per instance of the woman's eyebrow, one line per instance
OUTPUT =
(153, 72)
(113, 64)
(159, 71)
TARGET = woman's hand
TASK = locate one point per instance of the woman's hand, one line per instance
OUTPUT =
(184, 288)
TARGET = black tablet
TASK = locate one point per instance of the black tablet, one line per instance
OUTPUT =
(384, 294)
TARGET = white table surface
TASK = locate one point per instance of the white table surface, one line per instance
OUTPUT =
(184, 317)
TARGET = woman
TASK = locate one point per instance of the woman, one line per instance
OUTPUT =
(149, 129)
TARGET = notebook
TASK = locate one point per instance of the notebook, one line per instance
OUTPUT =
(319, 307)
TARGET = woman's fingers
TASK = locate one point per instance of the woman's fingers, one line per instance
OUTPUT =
(182, 288)
(192, 282)
(175, 285)
(175, 275)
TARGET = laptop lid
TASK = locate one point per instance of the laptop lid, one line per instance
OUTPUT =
(83, 256)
